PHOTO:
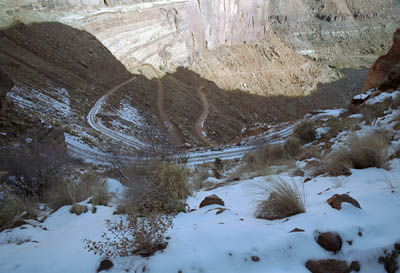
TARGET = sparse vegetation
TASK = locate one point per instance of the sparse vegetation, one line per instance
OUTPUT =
(78, 209)
(67, 192)
(14, 209)
(360, 153)
(305, 131)
(134, 235)
(285, 199)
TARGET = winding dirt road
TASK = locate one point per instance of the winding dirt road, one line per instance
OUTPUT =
(96, 125)
(199, 129)
(174, 131)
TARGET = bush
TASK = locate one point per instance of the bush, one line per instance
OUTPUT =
(285, 199)
(33, 170)
(155, 186)
(14, 209)
(305, 131)
(362, 152)
(292, 146)
(67, 192)
(78, 209)
(141, 236)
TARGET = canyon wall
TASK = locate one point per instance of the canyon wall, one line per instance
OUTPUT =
(171, 33)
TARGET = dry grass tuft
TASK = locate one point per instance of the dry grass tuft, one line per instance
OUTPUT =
(285, 199)
(66, 192)
(78, 209)
(362, 152)
(14, 209)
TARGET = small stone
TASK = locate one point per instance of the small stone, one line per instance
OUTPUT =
(297, 230)
(336, 201)
(212, 200)
(255, 258)
(105, 265)
(330, 241)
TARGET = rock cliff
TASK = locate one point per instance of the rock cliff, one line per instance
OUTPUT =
(190, 33)
(385, 72)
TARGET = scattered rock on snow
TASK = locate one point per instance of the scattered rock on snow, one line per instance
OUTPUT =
(255, 258)
(105, 265)
(355, 266)
(328, 266)
(389, 259)
(212, 200)
(296, 230)
(336, 201)
(330, 241)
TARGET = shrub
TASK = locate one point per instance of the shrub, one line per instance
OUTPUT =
(67, 192)
(285, 199)
(305, 131)
(141, 236)
(371, 112)
(78, 209)
(14, 208)
(156, 187)
(33, 170)
(292, 146)
(362, 152)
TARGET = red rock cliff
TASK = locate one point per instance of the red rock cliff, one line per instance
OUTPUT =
(384, 74)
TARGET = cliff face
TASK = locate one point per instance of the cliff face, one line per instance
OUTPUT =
(385, 72)
(171, 33)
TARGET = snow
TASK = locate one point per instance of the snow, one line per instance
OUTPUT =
(130, 114)
(382, 96)
(202, 241)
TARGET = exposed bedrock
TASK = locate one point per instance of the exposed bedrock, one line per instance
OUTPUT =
(385, 72)
(171, 33)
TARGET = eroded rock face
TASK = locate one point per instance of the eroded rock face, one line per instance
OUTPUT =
(171, 33)
(385, 72)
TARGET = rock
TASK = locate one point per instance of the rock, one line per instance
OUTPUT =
(330, 241)
(105, 265)
(212, 200)
(389, 259)
(255, 258)
(296, 230)
(385, 72)
(336, 201)
(328, 266)
(355, 266)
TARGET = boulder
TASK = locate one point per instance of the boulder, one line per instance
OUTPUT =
(336, 201)
(330, 241)
(212, 200)
(328, 266)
